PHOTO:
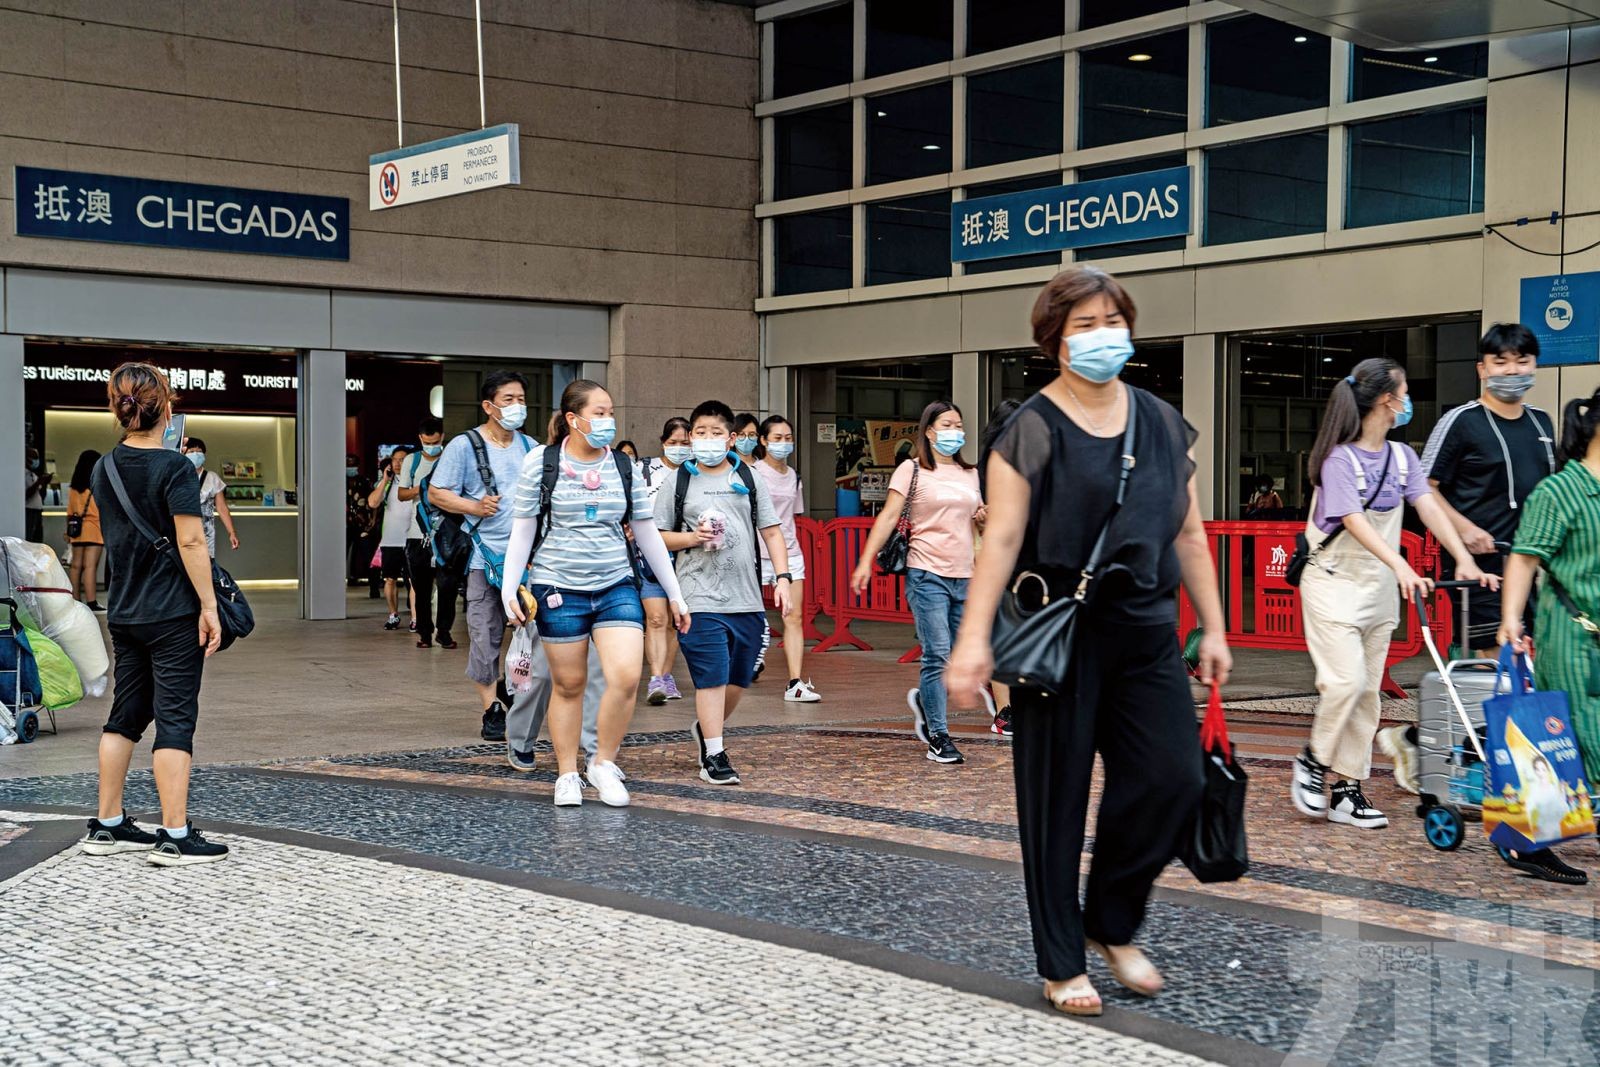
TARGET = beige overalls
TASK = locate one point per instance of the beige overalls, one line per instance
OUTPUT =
(1350, 602)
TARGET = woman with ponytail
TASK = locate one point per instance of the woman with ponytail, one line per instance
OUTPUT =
(1560, 529)
(1348, 592)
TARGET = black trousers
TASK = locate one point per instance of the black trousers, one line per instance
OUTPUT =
(424, 579)
(157, 679)
(1133, 705)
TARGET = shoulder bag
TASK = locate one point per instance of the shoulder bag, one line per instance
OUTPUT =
(233, 610)
(894, 557)
(1303, 552)
(1033, 648)
(75, 518)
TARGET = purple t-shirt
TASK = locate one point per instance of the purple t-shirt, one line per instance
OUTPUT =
(1339, 495)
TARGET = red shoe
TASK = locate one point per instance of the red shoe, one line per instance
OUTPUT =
(446, 641)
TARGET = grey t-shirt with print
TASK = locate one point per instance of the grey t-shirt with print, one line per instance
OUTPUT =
(723, 581)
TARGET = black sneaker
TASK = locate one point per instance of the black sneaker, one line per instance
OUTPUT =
(699, 742)
(1350, 807)
(1544, 864)
(943, 750)
(1002, 722)
(1307, 786)
(718, 771)
(520, 761)
(494, 722)
(919, 721)
(96, 607)
(446, 641)
(184, 851)
(126, 836)
(392, 622)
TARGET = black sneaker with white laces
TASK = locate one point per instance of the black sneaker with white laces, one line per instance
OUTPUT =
(1350, 807)
(717, 770)
(699, 742)
(943, 750)
(494, 722)
(184, 851)
(126, 836)
(1308, 786)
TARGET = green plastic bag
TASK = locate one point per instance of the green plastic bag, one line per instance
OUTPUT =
(57, 676)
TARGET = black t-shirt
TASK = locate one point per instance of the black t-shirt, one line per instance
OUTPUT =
(1482, 479)
(145, 588)
(1073, 476)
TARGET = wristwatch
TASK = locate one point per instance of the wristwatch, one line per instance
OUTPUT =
(784, 577)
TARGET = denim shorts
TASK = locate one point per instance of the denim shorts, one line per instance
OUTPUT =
(651, 590)
(722, 649)
(581, 613)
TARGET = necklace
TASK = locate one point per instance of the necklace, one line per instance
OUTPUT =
(1096, 425)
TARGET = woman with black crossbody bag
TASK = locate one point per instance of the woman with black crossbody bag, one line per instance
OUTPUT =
(163, 619)
(1093, 518)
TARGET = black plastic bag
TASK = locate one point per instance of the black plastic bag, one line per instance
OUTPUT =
(1216, 849)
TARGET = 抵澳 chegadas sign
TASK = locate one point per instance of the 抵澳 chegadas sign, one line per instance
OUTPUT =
(1134, 207)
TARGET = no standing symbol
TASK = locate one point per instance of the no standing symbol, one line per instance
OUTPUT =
(389, 183)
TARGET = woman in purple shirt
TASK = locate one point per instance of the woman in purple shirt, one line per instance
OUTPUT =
(1348, 592)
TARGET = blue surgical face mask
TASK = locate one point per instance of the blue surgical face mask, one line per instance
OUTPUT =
(198, 459)
(1099, 355)
(35, 463)
(1405, 412)
(602, 431)
(679, 454)
(780, 449)
(745, 444)
(432, 450)
(512, 416)
(948, 442)
(710, 451)
(352, 472)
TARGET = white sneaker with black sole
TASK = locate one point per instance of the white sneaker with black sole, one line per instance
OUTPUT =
(919, 721)
(1351, 808)
(569, 791)
(1308, 786)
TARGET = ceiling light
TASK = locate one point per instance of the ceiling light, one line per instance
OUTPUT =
(1140, 57)
(930, 148)
(883, 114)
(1300, 40)
(1431, 59)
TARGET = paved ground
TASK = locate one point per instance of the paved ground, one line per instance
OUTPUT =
(397, 882)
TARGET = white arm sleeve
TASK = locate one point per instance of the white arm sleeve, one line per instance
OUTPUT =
(518, 549)
(654, 550)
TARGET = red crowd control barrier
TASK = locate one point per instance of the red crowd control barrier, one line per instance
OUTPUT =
(885, 596)
(1262, 610)
(812, 536)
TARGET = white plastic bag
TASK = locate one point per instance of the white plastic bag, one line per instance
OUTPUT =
(57, 615)
(519, 660)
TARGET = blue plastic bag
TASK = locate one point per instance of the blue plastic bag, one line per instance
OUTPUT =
(1538, 794)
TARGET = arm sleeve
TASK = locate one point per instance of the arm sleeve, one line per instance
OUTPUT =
(1543, 528)
(182, 491)
(450, 472)
(1416, 486)
(654, 550)
(1337, 494)
(530, 486)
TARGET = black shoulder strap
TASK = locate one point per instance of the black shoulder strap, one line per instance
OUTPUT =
(160, 543)
(678, 497)
(1129, 444)
(625, 472)
(547, 491)
(481, 454)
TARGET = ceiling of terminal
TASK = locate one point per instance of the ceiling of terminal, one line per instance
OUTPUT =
(1426, 23)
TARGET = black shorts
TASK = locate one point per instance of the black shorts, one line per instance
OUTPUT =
(1483, 606)
(157, 679)
(394, 562)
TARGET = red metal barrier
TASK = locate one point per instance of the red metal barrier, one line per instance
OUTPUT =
(812, 536)
(885, 596)
(1261, 610)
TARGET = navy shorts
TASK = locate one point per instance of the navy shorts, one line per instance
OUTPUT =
(722, 649)
(581, 613)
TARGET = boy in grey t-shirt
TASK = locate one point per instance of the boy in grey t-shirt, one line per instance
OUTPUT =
(724, 511)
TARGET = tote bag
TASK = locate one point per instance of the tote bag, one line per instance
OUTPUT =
(1538, 792)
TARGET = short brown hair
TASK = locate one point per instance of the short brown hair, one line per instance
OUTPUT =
(138, 395)
(1064, 292)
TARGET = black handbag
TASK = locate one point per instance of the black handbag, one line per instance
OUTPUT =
(894, 557)
(1033, 649)
(233, 610)
(1296, 568)
(75, 518)
(1216, 849)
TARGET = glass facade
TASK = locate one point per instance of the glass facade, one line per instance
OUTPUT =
(905, 34)
(1133, 90)
(1014, 113)
(1117, 170)
(812, 51)
(1272, 188)
(908, 134)
(1421, 166)
(812, 251)
(1374, 73)
(908, 240)
(1256, 67)
(812, 151)
(1016, 185)
(1092, 13)
(993, 24)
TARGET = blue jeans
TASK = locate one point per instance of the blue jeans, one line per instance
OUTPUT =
(936, 603)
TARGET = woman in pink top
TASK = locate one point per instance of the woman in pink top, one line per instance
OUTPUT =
(946, 511)
(784, 489)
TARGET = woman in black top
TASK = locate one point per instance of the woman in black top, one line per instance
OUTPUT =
(1052, 479)
(162, 613)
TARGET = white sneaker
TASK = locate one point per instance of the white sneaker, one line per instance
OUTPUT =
(1352, 808)
(607, 781)
(1397, 747)
(801, 693)
(569, 791)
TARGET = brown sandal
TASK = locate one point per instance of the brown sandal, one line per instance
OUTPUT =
(1079, 989)
(1140, 976)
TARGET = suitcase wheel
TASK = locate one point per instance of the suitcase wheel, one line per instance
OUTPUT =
(27, 726)
(1444, 827)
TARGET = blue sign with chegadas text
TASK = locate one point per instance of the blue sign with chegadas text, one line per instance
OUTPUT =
(75, 206)
(1135, 207)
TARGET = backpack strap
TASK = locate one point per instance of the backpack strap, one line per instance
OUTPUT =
(162, 544)
(625, 472)
(547, 490)
(748, 476)
(680, 494)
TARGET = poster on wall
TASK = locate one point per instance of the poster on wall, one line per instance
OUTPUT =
(871, 445)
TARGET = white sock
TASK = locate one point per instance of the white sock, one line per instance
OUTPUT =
(713, 745)
(177, 835)
(109, 823)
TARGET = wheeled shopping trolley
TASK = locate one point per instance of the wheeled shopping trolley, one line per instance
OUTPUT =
(1451, 763)
(20, 691)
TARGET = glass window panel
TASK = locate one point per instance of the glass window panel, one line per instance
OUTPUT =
(813, 251)
(908, 239)
(902, 34)
(1262, 189)
(812, 51)
(908, 134)
(1014, 185)
(993, 24)
(1257, 67)
(812, 151)
(1014, 114)
(1134, 89)
(1416, 167)
(1118, 170)
(1104, 12)
(1374, 73)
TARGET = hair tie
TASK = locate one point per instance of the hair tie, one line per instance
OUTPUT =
(1351, 378)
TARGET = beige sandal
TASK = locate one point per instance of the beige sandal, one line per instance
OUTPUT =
(1139, 976)
(1079, 990)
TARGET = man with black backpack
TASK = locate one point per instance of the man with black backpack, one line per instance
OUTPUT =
(420, 569)
(712, 519)
(466, 484)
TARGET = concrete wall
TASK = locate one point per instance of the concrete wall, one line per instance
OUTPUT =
(639, 153)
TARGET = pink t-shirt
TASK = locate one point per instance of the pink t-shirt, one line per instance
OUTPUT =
(788, 500)
(941, 517)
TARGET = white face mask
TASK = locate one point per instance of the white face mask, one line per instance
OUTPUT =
(679, 454)
(512, 416)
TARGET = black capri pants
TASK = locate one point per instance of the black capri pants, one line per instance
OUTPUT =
(157, 679)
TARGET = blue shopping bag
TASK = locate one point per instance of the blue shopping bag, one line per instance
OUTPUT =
(1538, 794)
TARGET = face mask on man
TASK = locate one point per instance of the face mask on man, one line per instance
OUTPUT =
(602, 431)
(948, 442)
(198, 459)
(432, 450)
(35, 463)
(780, 449)
(679, 454)
(1099, 355)
(1509, 387)
(512, 416)
(710, 451)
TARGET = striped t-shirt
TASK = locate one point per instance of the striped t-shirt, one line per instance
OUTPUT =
(1561, 526)
(585, 548)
